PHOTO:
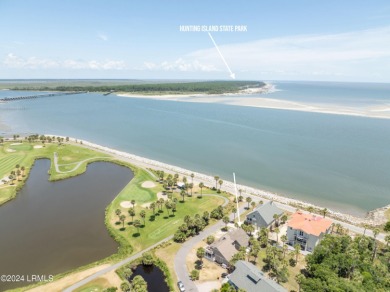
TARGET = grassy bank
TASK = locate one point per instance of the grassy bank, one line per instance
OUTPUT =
(154, 229)
(23, 153)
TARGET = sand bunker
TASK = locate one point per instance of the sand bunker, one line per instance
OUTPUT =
(148, 184)
(10, 150)
(14, 144)
(126, 204)
(38, 146)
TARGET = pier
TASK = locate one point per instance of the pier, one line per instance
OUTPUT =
(14, 98)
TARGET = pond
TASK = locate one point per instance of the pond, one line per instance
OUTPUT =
(52, 227)
(153, 276)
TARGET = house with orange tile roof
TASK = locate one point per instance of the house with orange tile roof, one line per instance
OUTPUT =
(307, 230)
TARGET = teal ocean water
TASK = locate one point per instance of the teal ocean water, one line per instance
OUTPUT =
(342, 162)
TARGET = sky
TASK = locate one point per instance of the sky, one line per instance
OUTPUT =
(284, 40)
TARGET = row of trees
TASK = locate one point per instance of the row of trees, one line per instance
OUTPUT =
(211, 87)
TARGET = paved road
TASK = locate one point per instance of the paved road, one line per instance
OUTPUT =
(127, 260)
(143, 164)
(180, 257)
(113, 267)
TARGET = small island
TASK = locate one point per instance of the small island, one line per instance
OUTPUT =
(142, 88)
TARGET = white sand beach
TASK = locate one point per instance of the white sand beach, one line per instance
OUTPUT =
(248, 98)
(227, 185)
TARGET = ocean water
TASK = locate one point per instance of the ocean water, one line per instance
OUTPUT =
(341, 162)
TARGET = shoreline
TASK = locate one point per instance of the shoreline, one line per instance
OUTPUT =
(229, 185)
(248, 98)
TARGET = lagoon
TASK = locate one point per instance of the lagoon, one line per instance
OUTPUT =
(53, 227)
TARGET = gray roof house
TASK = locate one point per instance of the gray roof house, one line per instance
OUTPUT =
(228, 245)
(263, 215)
(248, 277)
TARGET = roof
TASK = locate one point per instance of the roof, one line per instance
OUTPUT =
(226, 246)
(267, 211)
(309, 223)
(248, 277)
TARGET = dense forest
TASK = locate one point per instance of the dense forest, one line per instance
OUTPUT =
(208, 87)
(340, 263)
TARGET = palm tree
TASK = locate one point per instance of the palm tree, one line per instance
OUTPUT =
(276, 218)
(240, 198)
(253, 204)
(142, 214)
(137, 224)
(122, 218)
(201, 185)
(183, 194)
(168, 205)
(365, 228)
(220, 184)
(173, 204)
(284, 218)
(133, 202)
(153, 207)
(191, 186)
(18, 172)
(132, 214)
(248, 200)
(376, 231)
(387, 239)
(324, 211)
(118, 212)
(234, 211)
(22, 169)
(284, 239)
(276, 230)
(192, 177)
(225, 220)
(161, 203)
(216, 181)
(297, 251)
(200, 253)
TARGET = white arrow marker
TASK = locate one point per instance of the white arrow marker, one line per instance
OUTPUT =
(232, 75)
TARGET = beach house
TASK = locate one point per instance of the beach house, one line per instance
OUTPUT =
(307, 230)
(228, 245)
(248, 277)
(263, 215)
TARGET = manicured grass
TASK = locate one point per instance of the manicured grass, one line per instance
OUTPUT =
(154, 230)
(162, 225)
(21, 147)
(25, 154)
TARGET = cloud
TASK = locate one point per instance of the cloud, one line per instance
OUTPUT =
(345, 54)
(13, 61)
(102, 36)
(180, 65)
